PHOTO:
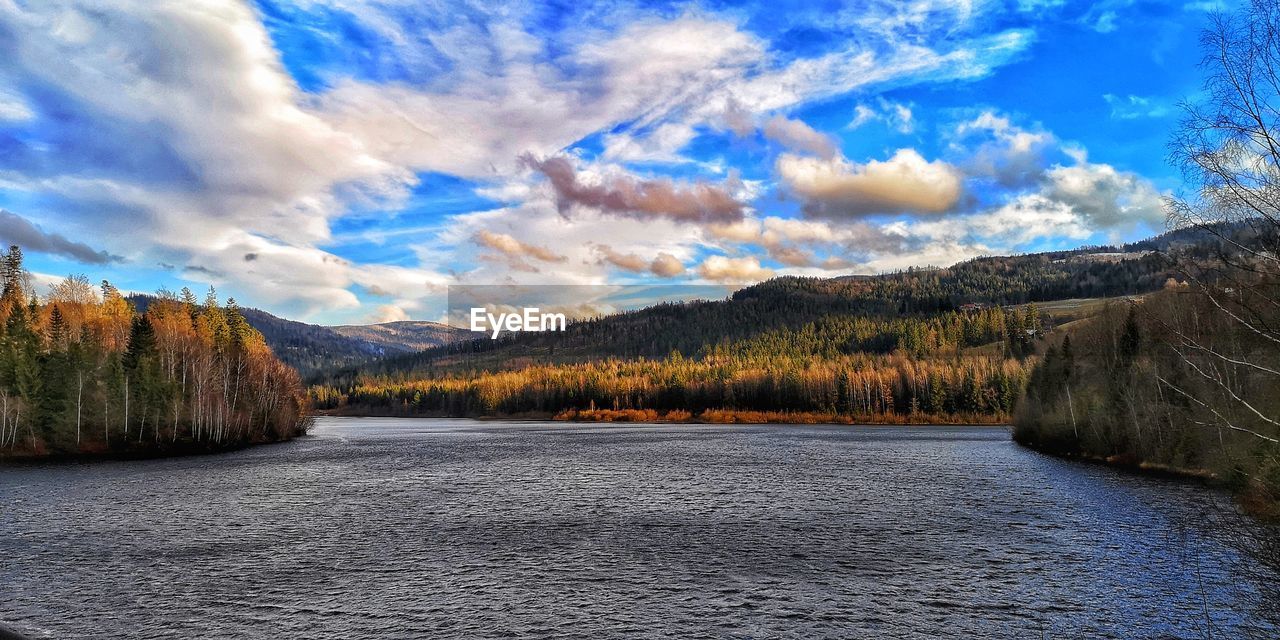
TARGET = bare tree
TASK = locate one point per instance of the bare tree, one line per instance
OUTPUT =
(1229, 150)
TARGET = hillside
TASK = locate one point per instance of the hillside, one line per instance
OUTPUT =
(312, 349)
(400, 337)
(953, 344)
(794, 304)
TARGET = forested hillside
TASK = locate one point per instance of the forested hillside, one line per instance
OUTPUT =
(924, 345)
(959, 366)
(925, 297)
(82, 371)
(886, 349)
(402, 336)
(1170, 381)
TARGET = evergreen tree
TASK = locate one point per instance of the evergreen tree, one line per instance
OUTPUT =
(12, 274)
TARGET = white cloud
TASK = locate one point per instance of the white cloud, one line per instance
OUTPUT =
(994, 147)
(862, 114)
(898, 116)
(1105, 22)
(1026, 218)
(662, 145)
(1106, 197)
(1207, 6)
(905, 183)
(218, 155)
(1131, 107)
(13, 108)
(388, 313)
(733, 270)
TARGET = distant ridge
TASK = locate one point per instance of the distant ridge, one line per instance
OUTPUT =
(312, 348)
(402, 336)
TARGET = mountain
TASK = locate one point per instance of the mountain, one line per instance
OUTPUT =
(800, 305)
(400, 337)
(951, 345)
(784, 303)
(311, 348)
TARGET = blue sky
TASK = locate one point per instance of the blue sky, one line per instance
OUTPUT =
(347, 161)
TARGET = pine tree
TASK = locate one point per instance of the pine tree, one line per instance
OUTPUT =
(12, 274)
(142, 344)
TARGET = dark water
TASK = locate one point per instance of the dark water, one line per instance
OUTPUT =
(377, 528)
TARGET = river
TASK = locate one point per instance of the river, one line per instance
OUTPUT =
(398, 528)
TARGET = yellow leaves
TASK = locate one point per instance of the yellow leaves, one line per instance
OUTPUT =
(864, 384)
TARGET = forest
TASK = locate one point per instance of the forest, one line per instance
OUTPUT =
(966, 366)
(861, 388)
(1168, 383)
(82, 372)
(926, 345)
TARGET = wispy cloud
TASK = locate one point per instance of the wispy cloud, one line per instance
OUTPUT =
(1130, 107)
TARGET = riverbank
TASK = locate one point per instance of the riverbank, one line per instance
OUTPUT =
(1132, 465)
(1252, 496)
(710, 416)
(134, 450)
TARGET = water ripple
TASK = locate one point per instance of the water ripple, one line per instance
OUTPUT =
(378, 528)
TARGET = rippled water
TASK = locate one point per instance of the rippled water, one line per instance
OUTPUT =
(382, 528)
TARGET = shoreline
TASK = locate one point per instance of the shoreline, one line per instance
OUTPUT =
(123, 455)
(1250, 498)
(684, 417)
(700, 423)
(1138, 467)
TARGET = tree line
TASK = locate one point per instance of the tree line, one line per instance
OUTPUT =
(874, 369)
(869, 387)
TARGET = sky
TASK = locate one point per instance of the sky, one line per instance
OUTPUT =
(347, 161)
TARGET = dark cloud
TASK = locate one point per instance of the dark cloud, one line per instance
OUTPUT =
(660, 198)
(203, 270)
(14, 229)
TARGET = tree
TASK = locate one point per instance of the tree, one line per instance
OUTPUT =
(1229, 151)
(13, 276)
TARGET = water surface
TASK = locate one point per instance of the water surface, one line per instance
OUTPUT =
(386, 528)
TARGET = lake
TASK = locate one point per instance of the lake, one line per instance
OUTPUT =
(395, 528)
